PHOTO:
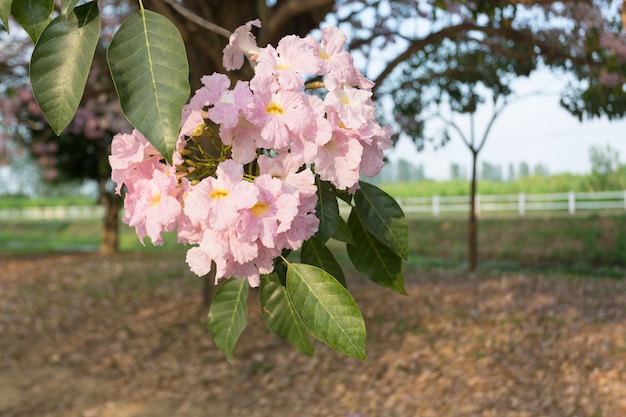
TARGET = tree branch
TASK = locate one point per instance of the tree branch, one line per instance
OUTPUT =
(496, 112)
(457, 129)
(419, 44)
(191, 16)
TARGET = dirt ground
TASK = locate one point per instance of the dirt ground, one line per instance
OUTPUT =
(124, 336)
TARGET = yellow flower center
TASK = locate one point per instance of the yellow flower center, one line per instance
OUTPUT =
(156, 200)
(260, 208)
(344, 98)
(283, 65)
(218, 194)
(274, 109)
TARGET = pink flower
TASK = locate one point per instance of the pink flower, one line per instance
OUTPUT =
(353, 105)
(228, 107)
(214, 247)
(279, 116)
(241, 223)
(132, 157)
(372, 160)
(282, 67)
(338, 161)
(127, 150)
(304, 147)
(285, 167)
(188, 232)
(263, 263)
(241, 42)
(273, 210)
(223, 104)
(152, 206)
(242, 138)
(222, 248)
(335, 60)
(216, 202)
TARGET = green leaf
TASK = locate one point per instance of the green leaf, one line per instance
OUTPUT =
(280, 315)
(327, 210)
(373, 259)
(228, 315)
(315, 253)
(32, 15)
(151, 75)
(342, 233)
(327, 309)
(67, 6)
(382, 216)
(60, 64)
(5, 11)
(344, 195)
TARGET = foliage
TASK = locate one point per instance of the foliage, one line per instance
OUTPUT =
(473, 50)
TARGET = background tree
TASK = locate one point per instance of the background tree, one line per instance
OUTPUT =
(474, 143)
(541, 170)
(511, 176)
(80, 152)
(457, 172)
(471, 51)
(607, 172)
(524, 170)
(491, 172)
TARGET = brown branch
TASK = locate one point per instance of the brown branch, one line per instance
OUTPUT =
(191, 16)
(419, 44)
(454, 32)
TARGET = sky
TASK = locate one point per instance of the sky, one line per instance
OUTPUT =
(534, 129)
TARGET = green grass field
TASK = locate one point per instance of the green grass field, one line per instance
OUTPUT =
(69, 236)
(580, 242)
(12, 202)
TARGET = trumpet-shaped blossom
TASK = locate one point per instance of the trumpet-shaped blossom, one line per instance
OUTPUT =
(216, 202)
(152, 206)
(282, 68)
(131, 156)
(339, 160)
(279, 117)
(353, 105)
(241, 43)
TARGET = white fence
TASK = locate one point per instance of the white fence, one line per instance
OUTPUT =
(437, 205)
(521, 203)
(52, 213)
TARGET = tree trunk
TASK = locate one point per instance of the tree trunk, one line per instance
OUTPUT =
(207, 289)
(472, 225)
(110, 227)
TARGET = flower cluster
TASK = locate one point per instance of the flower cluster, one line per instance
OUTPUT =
(242, 186)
